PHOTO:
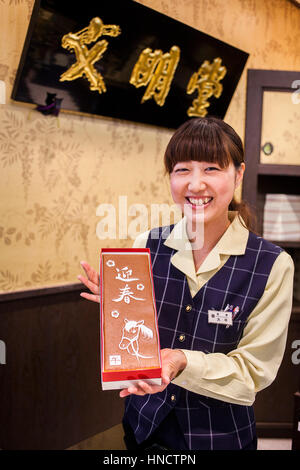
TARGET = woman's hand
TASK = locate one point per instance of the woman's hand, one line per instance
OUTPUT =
(92, 282)
(173, 362)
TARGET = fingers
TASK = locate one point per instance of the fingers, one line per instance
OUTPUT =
(173, 361)
(124, 393)
(132, 391)
(166, 380)
(92, 282)
(89, 284)
(92, 275)
(145, 388)
(92, 297)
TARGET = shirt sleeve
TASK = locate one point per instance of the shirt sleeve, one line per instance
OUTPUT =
(236, 377)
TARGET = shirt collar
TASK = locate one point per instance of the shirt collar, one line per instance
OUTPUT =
(232, 242)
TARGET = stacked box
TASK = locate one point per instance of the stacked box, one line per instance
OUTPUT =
(130, 349)
(282, 217)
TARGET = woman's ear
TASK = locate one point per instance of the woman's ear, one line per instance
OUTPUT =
(239, 174)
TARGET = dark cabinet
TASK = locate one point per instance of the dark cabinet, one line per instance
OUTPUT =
(275, 407)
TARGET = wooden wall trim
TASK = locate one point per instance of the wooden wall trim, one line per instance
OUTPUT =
(39, 292)
(50, 385)
(274, 430)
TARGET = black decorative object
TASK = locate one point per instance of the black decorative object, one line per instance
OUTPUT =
(52, 106)
(120, 59)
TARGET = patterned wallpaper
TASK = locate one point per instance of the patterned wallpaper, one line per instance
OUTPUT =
(55, 172)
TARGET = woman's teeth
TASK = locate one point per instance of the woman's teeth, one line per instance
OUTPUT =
(199, 201)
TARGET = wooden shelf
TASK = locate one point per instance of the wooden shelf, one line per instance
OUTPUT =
(261, 179)
(280, 170)
(296, 308)
(30, 293)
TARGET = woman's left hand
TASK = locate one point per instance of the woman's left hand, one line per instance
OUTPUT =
(173, 361)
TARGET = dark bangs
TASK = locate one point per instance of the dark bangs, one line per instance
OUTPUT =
(204, 139)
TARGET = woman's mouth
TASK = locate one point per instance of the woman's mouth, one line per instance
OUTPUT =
(199, 202)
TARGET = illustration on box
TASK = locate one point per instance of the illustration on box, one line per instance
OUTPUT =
(130, 348)
(130, 334)
(129, 331)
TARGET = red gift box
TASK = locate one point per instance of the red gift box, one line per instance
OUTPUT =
(130, 349)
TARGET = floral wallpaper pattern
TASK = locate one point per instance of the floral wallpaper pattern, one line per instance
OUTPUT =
(55, 172)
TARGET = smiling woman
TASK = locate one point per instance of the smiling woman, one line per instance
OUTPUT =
(207, 188)
(204, 159)
(223, 306)
(209, 157)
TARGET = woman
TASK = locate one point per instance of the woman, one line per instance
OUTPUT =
(223, 297)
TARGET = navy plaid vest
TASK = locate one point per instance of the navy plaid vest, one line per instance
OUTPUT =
(206, 423)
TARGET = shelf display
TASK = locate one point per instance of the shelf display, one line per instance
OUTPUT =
(270, 186)
(281, 220)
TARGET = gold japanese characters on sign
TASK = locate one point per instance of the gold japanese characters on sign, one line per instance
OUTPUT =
(153, 68)
(207, 82)
(156, 70)
(87, 57)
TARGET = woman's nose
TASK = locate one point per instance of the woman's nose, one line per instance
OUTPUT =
(196, 183)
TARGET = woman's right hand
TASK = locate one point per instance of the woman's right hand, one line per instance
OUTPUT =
(92, 282)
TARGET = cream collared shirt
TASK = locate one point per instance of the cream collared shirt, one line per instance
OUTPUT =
(253, 365)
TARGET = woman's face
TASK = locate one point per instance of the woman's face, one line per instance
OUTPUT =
(205, 186)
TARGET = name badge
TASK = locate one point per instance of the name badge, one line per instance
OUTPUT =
(220, 317)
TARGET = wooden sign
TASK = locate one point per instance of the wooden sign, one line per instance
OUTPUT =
(120, 59)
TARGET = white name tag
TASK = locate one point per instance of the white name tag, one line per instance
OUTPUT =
(219, 317)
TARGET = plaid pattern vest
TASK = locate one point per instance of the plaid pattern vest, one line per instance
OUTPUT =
(206, 423)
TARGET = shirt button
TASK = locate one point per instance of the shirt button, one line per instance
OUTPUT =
(181, 338)
(173, 398)
(188, 308)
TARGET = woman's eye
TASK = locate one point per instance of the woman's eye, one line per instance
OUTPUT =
(212, 168)
(181, 170)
